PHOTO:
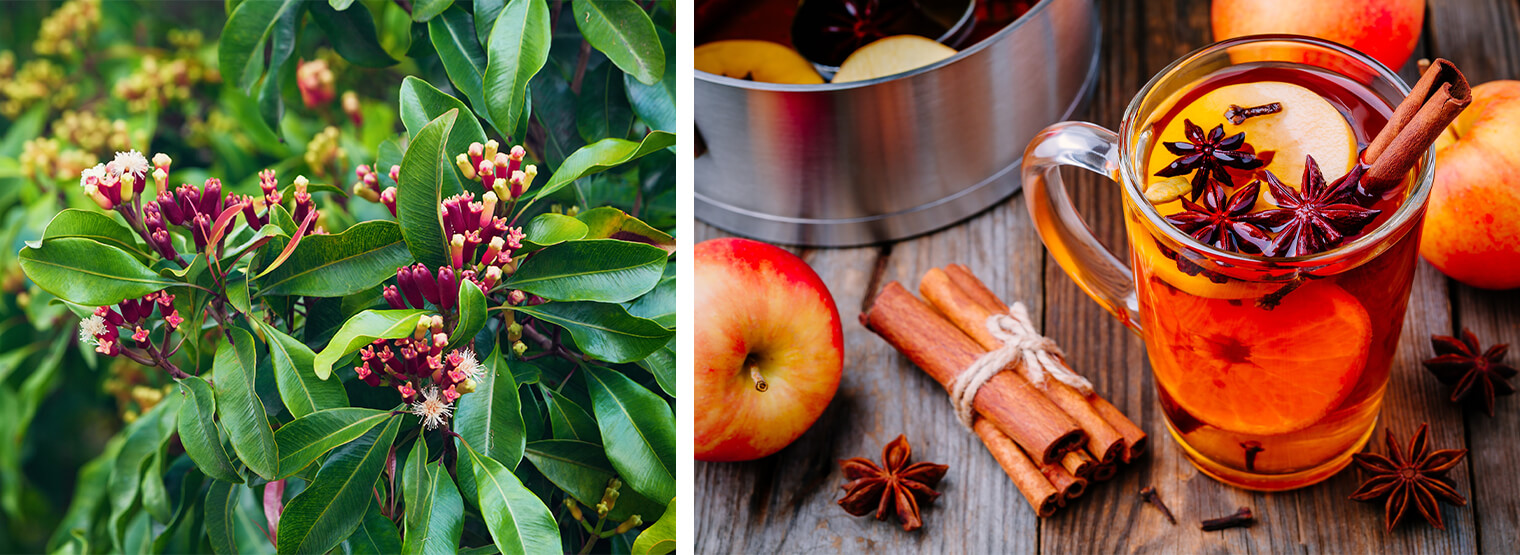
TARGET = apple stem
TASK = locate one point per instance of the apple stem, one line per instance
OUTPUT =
(760, 385)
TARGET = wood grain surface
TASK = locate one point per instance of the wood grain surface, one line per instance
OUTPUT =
(786, 503)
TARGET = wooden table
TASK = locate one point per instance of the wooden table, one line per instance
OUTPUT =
(786, 502)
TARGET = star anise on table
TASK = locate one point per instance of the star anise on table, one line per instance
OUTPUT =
(1208, 155)
(1227, 224)
(1317, 217)
(1479, 375)
(1415, 478)
(896, 486)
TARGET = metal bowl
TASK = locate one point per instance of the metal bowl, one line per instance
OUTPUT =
(889, 158)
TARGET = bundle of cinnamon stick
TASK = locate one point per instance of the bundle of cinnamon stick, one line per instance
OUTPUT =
(1051, 439)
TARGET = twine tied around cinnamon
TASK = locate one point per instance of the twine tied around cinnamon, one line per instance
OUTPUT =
(1034, 356)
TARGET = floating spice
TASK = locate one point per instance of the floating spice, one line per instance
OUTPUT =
(1238, 115)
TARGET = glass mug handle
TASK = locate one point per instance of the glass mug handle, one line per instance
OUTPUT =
(1096, 270)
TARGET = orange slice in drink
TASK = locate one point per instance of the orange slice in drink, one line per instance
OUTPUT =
(1264, 372)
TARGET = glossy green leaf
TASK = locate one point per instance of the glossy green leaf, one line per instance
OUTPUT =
(427, 170)
(659, 304)
(638, 430)
(340, 5)
(96, 226)
(421, 103)
(660, 538)
(570, 421)
(596, 270)
(282, 39)
(198, 432)
(240, 50)
(89, 492)
(300, 389)
(333, 506)
(472, 314)
(582, 470)
(414, 477)
(550, 229)
(342, 264)
(238, 403)
(221, 516)
(490, 419)
(86, 272)
(363, 328)
(426, 10)
(237, 292)
(145, 438)
(352, 33)
(602, 330)
(155, 498)
(623, 31)
(436, 526)
(453, 36)
(601, 155)
(486, 12)
(518, 49)
(606, 222)
(518, 521)
(601, 109)
(655, 103)
(307, 438)
(376, 536)
(662, 365)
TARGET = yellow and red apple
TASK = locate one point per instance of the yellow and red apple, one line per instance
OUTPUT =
(1472, 224)
(769, 349)
(1387, 30)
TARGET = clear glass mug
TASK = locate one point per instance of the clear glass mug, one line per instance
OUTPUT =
(1270, 371)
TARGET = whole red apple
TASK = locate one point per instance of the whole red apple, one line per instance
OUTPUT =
(769, 353)
(1472, 224)
(1384, 29)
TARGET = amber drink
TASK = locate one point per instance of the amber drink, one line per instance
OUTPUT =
(1269, 281)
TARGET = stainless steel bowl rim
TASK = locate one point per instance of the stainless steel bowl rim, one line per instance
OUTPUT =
(828, 87)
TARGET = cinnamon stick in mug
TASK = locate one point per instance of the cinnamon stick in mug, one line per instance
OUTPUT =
(940, 349)
(1042, 496)
(1103, 441)
(1135, 439)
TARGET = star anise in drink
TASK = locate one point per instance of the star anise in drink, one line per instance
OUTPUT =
(1208, 155)
(894, 487)
(1478, 375)
(1413, 477)
(1317, 217)
(1224, 223)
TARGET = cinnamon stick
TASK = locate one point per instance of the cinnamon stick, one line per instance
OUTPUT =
(969, 311)
(935, 345)
(1037, 489)
(1435, 100)
(1105, 472)
(1134, 437)
(1071, 487)
(1078, 463)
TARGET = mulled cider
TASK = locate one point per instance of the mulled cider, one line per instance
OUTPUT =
(1270, 363)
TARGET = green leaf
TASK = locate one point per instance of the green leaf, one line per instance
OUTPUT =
(518, 48)
(660, 538)
(606, 222)
(414, 477)
(596, 270)
(486, 12)
(300, 389)
(425, 10)
(283, 39)
(361, 330)
(490, 419)
(638, 430)
(662, 364)
(602, 330)
(550, 228)
(86, 224)
(307, 438)
(601, 155)
(26, 128)
(426, 170)
(145, 437)
(570, 421)
(453, 35)
(333, 506)
(221, 516)
(87, 272)
(155, 498)
(238, 404)
(659, 304)
(377, 535)
(89, 492)
(436, 526)
(655, 104)
(240, 50)
(622, 31)
(361, 257)
(198, 432)
(581, 469)
(602, 109)
(237, 292)
(352, 33)
(519, 522)
(472, 314)
(340, 5)
(421, 103)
